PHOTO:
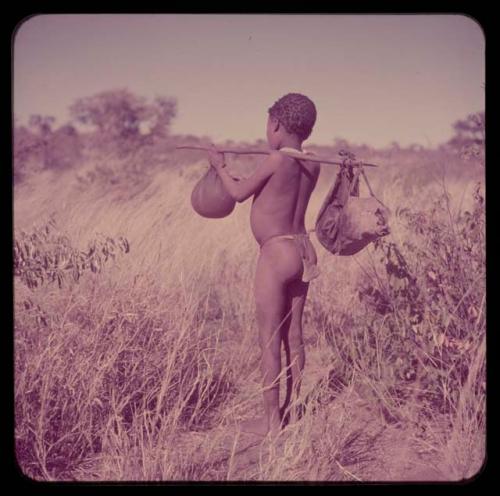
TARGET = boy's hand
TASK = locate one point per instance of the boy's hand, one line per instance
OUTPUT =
(216, 158)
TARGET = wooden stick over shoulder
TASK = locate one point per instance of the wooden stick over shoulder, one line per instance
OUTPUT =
(286, 151)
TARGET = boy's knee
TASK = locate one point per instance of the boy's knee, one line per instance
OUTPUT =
(270, 349)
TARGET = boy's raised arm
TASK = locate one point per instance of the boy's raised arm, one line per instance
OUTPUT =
(244, 188)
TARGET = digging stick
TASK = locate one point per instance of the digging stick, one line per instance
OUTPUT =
(290, 153)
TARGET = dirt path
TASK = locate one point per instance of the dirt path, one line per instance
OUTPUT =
(368, 449)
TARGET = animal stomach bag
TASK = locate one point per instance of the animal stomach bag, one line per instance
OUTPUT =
(347, 223)
(210, 198)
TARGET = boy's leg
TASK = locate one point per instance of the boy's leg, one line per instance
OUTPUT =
(274, 268)
(294, 344)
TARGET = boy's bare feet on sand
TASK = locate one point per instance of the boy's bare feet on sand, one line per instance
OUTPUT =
(259, 426)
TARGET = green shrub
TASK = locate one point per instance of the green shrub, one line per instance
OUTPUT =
(45, 255)
(425, 307)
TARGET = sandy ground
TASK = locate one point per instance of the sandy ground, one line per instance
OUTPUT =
(369, 449)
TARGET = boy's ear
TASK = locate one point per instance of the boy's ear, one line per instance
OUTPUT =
(276, 125)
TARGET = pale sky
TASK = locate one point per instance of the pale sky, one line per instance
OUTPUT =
(373, 78)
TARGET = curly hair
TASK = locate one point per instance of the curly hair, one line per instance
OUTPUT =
(296, 113)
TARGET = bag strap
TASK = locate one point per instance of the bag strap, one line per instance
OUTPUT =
(370, 189)
(367, 183)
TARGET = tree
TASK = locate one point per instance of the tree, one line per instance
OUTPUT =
(39, 147)
(65, 148)
(123, 119)
(469, 131)
(42, 124)
(27, 150)
(31, 145)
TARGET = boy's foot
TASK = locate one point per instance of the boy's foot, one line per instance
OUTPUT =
(259, 426)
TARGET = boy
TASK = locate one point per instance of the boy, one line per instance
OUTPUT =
(281, 187)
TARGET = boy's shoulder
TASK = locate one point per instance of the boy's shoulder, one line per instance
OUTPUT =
(276, 154)
(284, 158)
(280, 157)
(277, 158)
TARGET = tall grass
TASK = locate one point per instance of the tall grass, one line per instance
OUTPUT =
(141, 371)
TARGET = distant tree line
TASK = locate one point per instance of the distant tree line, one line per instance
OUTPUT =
(119, 122)
(115, 121)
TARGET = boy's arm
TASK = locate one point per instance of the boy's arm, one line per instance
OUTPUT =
(244, 188)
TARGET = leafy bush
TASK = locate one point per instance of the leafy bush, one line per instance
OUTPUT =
(47, 256)
(425, 304)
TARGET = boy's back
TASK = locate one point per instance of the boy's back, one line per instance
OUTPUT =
(280, 205)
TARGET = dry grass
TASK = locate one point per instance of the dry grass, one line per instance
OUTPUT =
(140, 372)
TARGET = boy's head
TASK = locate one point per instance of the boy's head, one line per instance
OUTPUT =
(292, 114)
